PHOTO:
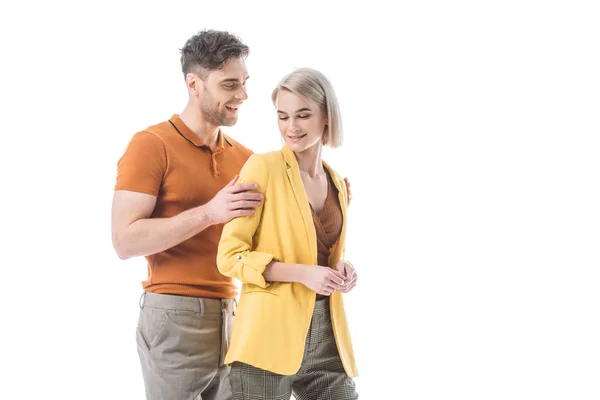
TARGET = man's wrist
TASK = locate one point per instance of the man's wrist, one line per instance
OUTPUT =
(202, 216)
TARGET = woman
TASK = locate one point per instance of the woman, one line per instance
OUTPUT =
(290, 332)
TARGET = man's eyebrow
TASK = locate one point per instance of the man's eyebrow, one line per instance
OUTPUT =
(233, 79)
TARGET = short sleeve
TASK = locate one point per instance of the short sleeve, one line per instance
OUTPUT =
(142, 166)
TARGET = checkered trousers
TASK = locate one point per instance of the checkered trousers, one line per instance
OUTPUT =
(321, 376)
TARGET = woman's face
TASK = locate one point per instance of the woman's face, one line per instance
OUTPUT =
(301, 122)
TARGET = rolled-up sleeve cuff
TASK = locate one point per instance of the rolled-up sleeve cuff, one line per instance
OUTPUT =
(252, 264)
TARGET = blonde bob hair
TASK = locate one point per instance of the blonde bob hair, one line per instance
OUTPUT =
(312, 85)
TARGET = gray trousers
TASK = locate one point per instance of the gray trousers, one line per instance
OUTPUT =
(182, 342)
(321, 376)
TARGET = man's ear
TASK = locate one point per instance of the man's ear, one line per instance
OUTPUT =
(193, 83)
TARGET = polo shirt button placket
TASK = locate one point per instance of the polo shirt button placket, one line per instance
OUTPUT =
(215, 166)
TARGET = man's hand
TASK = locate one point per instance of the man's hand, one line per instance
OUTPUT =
(322, 280)
(347, 182)
(233, 201)
(349, 274)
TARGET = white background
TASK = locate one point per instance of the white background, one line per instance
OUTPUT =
(472, 145)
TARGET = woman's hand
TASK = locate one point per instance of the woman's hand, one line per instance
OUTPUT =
(322, 280)
(349, 274)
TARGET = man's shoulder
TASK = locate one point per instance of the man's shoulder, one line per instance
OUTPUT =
(153, 135)
(162, 130)
(237, 146)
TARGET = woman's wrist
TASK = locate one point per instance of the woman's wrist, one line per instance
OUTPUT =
(300, 271)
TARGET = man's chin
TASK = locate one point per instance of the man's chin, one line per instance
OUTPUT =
(229, 122)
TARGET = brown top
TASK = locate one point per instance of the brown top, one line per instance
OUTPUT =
(328, 224)
(170, 162)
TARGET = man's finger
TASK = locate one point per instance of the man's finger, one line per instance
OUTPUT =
(347, 182)
(233, 181)
(247, 196)
(242, 213)
(240, 205)
(243, 187)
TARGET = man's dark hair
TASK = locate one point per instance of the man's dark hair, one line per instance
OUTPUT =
(210, 50)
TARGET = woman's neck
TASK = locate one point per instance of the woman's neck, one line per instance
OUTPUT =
(310, 161)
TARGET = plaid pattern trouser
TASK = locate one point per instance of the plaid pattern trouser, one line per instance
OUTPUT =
(321, 375)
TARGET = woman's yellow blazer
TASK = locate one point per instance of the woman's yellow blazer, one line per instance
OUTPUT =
(272, 319)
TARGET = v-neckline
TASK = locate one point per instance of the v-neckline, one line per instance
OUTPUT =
(326, 196)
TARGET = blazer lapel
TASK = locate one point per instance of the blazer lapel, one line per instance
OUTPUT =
(293, 174)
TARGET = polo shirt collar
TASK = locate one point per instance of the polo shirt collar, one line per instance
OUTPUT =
(222, 142)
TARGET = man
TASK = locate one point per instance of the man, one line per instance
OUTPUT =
(175, 188)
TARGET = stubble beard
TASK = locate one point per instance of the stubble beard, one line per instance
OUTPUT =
(211, 114)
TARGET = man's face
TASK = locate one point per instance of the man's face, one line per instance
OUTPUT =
(222, 92)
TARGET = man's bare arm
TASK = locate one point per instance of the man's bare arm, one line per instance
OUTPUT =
(134, 233)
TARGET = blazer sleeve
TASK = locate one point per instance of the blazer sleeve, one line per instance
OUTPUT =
(235, 256)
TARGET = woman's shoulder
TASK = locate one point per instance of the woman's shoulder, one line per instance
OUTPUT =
(263, 164)
(332, 172)
(269, 159)
(336, 178)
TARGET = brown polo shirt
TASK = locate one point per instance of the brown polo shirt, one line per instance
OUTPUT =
(170, 162)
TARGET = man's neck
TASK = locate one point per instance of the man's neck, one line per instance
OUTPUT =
(205, 131)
